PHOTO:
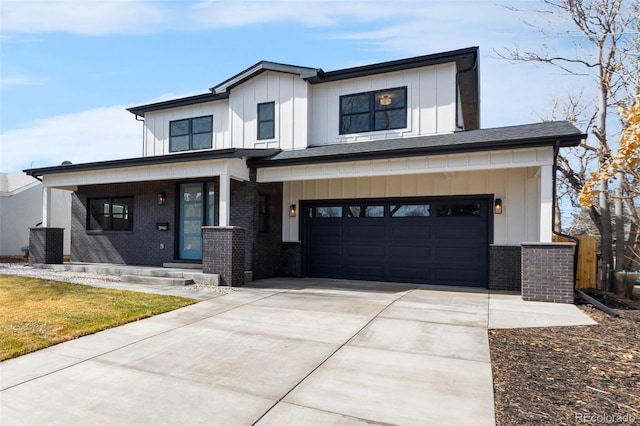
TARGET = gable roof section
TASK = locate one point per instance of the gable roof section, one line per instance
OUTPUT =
(524, 136)
(257, 69)
(466, 62)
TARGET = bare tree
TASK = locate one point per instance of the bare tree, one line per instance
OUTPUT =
(605, 41)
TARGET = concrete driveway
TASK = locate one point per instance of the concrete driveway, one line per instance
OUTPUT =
(286, 351)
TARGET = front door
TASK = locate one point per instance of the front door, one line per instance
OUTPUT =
(197, 208)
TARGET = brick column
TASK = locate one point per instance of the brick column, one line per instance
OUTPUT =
(223, 252)
(547, 272)
(46, 245)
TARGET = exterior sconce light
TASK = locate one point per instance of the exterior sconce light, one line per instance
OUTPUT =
(162, 199)
(497, 208)
(292, 210)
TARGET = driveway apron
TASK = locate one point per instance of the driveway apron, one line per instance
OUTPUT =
(285, 351)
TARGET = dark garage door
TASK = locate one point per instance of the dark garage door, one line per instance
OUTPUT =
(430, 240)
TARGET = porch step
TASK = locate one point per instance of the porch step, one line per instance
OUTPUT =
(177, 265)
(148, 279)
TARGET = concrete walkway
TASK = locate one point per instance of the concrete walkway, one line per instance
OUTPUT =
(285, 351)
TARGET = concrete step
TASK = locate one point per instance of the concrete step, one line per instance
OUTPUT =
(179, 265)
(148, 279)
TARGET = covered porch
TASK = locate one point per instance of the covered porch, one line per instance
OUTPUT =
(156, 210)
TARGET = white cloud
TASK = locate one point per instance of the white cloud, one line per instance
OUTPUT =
(103, 17)
(94, 135)
(314, 13)
(19, 80)
(81, 16)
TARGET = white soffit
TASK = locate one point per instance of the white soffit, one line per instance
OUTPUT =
(489, 160)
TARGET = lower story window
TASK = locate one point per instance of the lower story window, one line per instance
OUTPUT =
(110, 214)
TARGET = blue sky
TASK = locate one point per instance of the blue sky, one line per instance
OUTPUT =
(68, 69)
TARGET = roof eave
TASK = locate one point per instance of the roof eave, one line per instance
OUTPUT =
(228, 153)
(416, 151)
(390, 66)
(175, 103)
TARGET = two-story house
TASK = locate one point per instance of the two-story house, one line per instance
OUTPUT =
(378, 172)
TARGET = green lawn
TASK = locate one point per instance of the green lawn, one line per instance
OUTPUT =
(36, 313)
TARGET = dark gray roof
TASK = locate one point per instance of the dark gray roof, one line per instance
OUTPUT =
(550, 133)
(529, 135)
(466, 61)
(154, 160)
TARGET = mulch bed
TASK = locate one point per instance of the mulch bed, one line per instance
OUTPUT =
(569, 375)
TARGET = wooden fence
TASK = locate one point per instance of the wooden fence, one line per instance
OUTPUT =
(587, 274)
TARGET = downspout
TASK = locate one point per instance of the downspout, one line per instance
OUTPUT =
(471, 68)
(583, 295)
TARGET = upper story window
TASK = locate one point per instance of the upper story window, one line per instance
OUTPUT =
(266, 120)
(110, 214)
(372, 111)
(190, 134)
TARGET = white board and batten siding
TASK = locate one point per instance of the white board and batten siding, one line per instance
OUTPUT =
(518, 188)
(309, 114)
(291, 96)
(431, 104)
(156, 125)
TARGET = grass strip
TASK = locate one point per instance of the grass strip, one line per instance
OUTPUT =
(37, 313)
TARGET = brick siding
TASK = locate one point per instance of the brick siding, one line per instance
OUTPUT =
(547, 272)
(504, 268)
(140, 246)
(46, 245)
(262, 255)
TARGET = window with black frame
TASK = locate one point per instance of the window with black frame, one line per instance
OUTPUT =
(266, 120)
(191, 134)
(110, 214)
(373, 111)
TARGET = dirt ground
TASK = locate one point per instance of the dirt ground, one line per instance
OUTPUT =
(569, 375)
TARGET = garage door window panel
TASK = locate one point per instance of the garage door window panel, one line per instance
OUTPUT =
(410, 210)
(327, 212)
(459, 209)
(365, 211)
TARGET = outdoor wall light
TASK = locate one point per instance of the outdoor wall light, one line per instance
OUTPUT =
(292, 210)
(162, 199)
(498, 206)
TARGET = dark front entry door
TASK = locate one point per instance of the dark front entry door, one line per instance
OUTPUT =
(197, 208)
(427, 240)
